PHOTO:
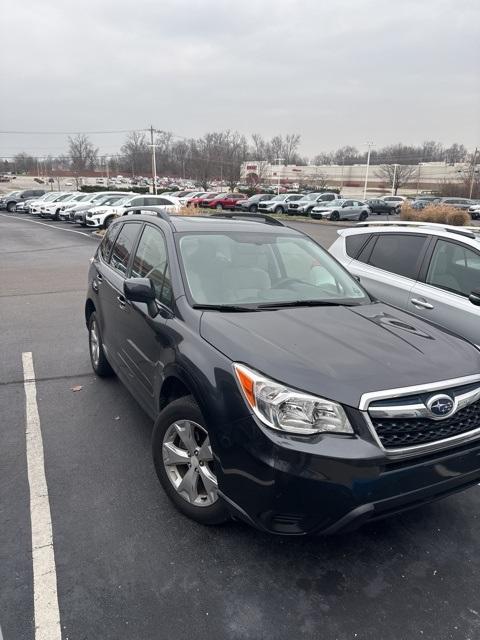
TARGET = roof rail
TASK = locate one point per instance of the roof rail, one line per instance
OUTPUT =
(159, 211)
(468, 232)
(256, 217)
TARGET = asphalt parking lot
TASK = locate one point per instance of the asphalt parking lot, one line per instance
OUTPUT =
(128, 566)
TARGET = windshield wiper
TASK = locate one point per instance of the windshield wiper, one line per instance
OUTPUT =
(224, 307)
(304, 303)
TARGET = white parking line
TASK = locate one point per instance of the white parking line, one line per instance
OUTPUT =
(45, 598)
(50, 226)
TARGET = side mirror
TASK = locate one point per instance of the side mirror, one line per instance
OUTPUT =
(141, 290)
(344, 205)
(474, 297)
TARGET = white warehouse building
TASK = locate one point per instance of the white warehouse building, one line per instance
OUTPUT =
(426, 175)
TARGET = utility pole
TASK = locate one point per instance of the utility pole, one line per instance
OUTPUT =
(154, 160)
(370, 145)
(394, 191)
(472, 172)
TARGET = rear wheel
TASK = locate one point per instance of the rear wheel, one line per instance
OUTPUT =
(11, 206)
(98, 358)
(363, 215)
(219, 207)
(334, 216)
(184, 462)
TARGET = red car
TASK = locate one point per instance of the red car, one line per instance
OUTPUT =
(195, 202)
(225, 201)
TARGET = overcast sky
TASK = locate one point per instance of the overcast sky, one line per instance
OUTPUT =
(337, 72)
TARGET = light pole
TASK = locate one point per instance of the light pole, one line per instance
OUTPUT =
(278, 174)
(394, 178)
(153, 146)
(370, 145)
(472, 173)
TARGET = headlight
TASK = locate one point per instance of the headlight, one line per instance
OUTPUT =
(100, 211)
(286, 409)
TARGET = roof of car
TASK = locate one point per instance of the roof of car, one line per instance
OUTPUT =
(183, 224)
(470, 235)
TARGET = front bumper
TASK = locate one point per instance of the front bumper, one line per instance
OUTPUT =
(289, 485)
(92, 222)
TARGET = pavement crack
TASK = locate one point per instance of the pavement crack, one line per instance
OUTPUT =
(49, 378)
(40, 293)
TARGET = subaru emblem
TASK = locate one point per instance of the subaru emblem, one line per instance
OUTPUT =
(441, 406)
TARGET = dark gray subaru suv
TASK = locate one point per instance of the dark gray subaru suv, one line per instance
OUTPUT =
(282, 393)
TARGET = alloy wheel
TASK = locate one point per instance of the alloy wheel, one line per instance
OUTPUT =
(188, 461)
(94, 343)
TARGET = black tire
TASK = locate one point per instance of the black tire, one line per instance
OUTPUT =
(108, 221)
(219, 206)
(278, 210)
(253, 208)
(11, 206)
(100, 364)
(363, 215)
(334, 216)
(184, 408)
(308, 212)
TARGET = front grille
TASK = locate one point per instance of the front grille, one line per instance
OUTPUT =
(409, 432)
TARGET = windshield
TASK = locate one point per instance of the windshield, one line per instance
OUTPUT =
(246, 268)
(12, 194)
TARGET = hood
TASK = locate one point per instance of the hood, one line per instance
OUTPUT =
(341, 352)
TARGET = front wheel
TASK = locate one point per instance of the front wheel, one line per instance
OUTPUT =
(253, 208)
(11, 206)
(184, 462)
(363, 215)
(278, 209)
(108, 221)
(334, 216)
(219, 206)
(99, 361)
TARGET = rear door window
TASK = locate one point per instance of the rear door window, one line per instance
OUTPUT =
(123, 246)
(398, 253)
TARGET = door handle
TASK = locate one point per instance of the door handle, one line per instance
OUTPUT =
(121, 302)
(99, 277)
(423, 304)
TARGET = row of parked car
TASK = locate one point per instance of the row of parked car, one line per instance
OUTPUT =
(99, 209)
(89, 209)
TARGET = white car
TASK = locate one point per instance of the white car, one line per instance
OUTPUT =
(52, 208)
(474, 211)
(33, 206)
(92, 200)
(103, 216)
(394, 201)
(430, 270)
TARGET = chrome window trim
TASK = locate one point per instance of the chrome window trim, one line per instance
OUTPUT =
(414, 450)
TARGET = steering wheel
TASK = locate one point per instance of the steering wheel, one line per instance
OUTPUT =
(286, 281)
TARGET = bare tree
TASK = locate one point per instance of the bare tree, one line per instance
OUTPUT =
(83, 155)
(456, 153)
(396, 175)
(136, 154)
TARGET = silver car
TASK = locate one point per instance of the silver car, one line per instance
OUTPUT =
(341, 209)
(430, 270)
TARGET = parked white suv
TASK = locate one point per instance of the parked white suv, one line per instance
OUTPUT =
(430, 270)
(103, 216)
(279, 204)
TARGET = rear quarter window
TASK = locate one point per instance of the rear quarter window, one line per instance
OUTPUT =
(398, 253)
(355, 243)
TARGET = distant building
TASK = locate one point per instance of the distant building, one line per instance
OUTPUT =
(428, 175)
